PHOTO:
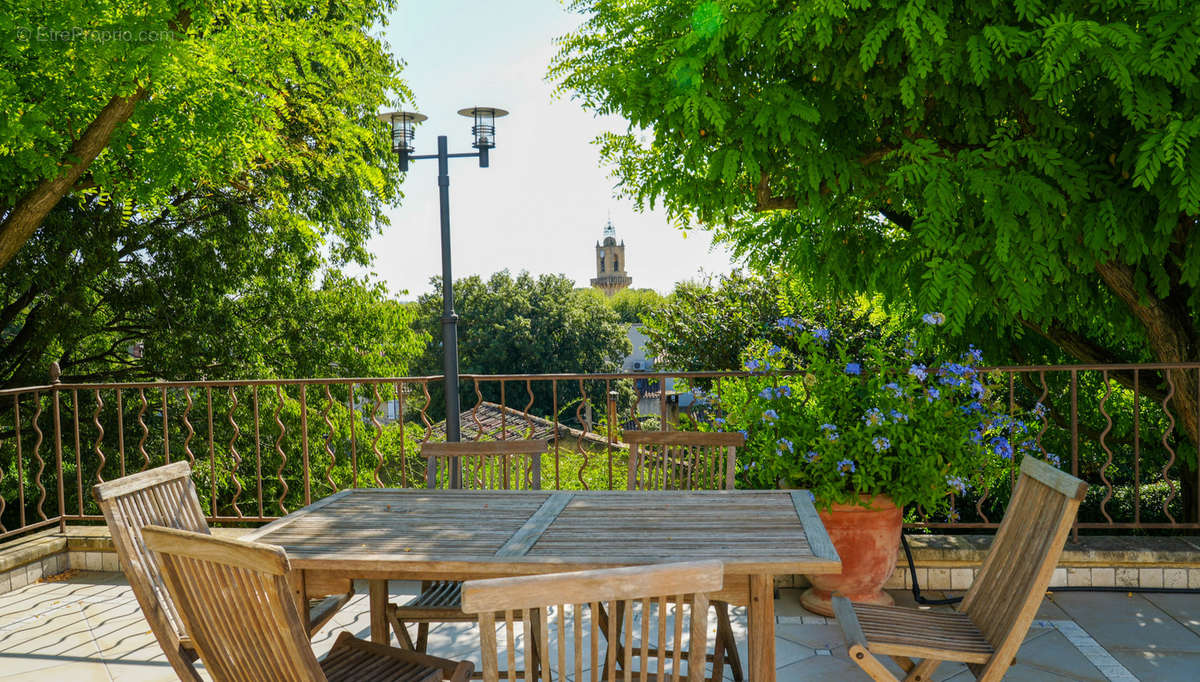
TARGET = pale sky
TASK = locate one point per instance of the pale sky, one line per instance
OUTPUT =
(543, 202)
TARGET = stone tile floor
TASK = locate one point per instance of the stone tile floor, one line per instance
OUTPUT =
(88, 627)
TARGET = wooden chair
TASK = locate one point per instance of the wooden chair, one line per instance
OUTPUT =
(688, 460)
(166, 496)
(994, 616)
(485, 465)
(682, 460)
(666, 596)
(236, 600)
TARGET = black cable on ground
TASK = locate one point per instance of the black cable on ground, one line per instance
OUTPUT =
(920, 599)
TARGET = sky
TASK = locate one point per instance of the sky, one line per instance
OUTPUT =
(543, 202)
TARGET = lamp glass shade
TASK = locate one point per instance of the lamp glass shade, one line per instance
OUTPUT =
(484, 128)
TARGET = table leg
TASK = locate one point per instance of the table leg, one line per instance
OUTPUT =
(378, 590)
(761, 622)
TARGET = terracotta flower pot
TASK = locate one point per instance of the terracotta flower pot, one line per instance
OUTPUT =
(867, 539)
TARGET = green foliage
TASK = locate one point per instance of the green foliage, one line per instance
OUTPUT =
(233, 88)
(869, 423)
(707, 326)
(973, 157)
(215, 228)
(525, 325)
(635, 305)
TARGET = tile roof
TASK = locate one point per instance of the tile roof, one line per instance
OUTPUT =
(495, 422)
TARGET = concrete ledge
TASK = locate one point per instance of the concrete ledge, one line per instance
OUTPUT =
(943, 562)
(50, 552)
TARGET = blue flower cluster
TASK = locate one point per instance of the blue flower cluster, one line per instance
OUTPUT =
(770, 393)
(784, 444)
(874, 417)
(789, 323)
(821, 334)
(853, 368)
(846, 466)
(897, 391)
(830, 430)
(918, 371)
(935, 319)
(881, 444)
(956, 483)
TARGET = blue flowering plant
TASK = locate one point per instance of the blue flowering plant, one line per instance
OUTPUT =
(878, 423)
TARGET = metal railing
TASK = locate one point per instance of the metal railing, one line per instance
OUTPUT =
(262, 448)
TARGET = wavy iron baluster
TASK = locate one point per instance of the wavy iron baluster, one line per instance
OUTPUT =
(145, 429)
(583, 400)
(1170, 460)
(424, 411)
(1045, 413)
(235, 458)
(525, 412)
(99, 436)
(378, 434)
(329, 439)
(187, 424)
(258, 480)
(475, 410)
(279, 450)
(1108, 488)
(37, 446)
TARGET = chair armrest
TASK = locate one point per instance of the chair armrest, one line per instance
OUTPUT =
(843, 610)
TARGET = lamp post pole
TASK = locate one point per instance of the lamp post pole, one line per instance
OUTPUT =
(449, 317)
(400, 124)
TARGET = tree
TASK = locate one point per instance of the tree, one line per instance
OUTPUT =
(132, 101)
(525, 325)
(633, 305)
(1025, 168)
(223, 276)
(706, 326)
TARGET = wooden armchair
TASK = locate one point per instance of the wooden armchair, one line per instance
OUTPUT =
(666, 596)
(994, 616)
(484, 465)
(166, 496)
(236, 600)
(688, 460)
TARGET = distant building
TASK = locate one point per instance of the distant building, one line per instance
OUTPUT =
(610, 263)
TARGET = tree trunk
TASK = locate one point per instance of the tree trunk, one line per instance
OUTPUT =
(1170, 334)
(32, 208)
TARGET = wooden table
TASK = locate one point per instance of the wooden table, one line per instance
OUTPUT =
(383, 534)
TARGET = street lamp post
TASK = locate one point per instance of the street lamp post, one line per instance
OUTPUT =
(484, 131)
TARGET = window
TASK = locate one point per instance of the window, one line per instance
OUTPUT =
(601, 262)
(616, 265)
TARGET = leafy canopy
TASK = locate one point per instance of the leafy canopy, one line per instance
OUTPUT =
(1011, 164)
(226, 82)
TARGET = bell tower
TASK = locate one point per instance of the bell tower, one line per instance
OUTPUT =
(610, 263)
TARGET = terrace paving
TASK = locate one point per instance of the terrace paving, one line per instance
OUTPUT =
(88, 627)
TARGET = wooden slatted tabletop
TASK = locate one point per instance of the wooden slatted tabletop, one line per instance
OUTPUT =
(385, 534)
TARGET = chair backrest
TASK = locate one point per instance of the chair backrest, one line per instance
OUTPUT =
(164, 496)
(668, 599)
(682, 460)
(1005, 595)
(486, 465)
(236, 601)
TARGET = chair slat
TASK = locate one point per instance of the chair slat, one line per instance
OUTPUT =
(589, 597)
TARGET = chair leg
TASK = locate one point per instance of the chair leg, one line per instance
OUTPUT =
(906, 664)
(400, 628)
(603, 623)
(728, 642)
(923, 671)
(870, 665)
